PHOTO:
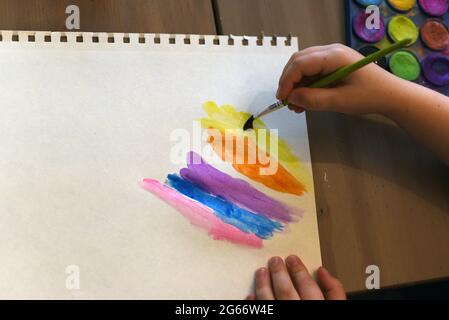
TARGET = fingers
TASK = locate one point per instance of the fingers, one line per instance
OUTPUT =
(320, 48)
(305, 52)
(292, 281)
(296, 109)
(263, 285)
(314, 61)
(297, 69)
(309, 51)
(304, 284)
(282, 283)
(331, 287)
(316, 99)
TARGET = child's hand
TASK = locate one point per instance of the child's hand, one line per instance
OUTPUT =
(365, 91)
(292, 281)
(422, 112)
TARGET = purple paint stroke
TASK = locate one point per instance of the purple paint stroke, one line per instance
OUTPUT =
(234, 190)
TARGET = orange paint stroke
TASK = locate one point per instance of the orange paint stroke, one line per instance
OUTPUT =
(281, 180)
(227, 119)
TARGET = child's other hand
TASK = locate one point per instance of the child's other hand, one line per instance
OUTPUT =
(292, 281)
(365, 91)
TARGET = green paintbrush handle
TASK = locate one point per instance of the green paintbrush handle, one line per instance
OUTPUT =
(345, 71)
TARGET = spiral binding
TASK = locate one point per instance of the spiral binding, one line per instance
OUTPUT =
(143, 38)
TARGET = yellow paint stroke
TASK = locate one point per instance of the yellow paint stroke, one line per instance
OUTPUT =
(290, 177)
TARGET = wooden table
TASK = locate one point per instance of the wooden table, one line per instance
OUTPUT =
(381, 198)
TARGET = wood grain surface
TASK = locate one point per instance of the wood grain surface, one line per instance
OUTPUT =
(156, 16)
(314, 22)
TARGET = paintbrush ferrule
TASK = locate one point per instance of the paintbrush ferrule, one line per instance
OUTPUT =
(272, 108)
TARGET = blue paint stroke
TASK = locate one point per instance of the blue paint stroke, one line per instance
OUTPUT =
(236, 191)
(246, 221)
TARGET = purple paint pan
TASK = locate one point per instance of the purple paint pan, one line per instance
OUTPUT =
(436, 69)
(365, 34)
(435, 8)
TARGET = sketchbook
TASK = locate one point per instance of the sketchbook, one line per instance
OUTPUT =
(121, 173)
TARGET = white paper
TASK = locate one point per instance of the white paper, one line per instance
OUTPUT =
(82, 123)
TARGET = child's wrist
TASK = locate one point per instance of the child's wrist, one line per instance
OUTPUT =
(395, 97)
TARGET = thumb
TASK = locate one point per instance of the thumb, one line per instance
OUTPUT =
(314, 99)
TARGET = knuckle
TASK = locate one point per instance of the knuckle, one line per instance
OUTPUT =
(261, 289)
(316, 55)
(313, 102)
(263, 293)
(261, 285)
(339, 46)
(343, 54)
(294, 98)
(339, 52)
(298, 269)
(339, 285)
(308, 283)
(286, 292)
(296, 55)
(297, 62)
(281, 81)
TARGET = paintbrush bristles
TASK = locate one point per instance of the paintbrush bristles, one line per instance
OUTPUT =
(249, 124)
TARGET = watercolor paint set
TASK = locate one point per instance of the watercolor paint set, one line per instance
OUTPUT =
(426, 60)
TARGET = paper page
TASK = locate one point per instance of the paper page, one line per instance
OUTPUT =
(82, 124)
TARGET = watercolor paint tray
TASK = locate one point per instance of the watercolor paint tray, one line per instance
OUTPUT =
(419, 49)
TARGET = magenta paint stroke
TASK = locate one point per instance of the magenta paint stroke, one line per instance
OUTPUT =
(201, 216)
(234, 190)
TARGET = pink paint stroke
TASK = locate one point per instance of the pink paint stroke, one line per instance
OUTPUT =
(200, 215)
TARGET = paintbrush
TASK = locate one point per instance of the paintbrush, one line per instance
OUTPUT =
(331, 79)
